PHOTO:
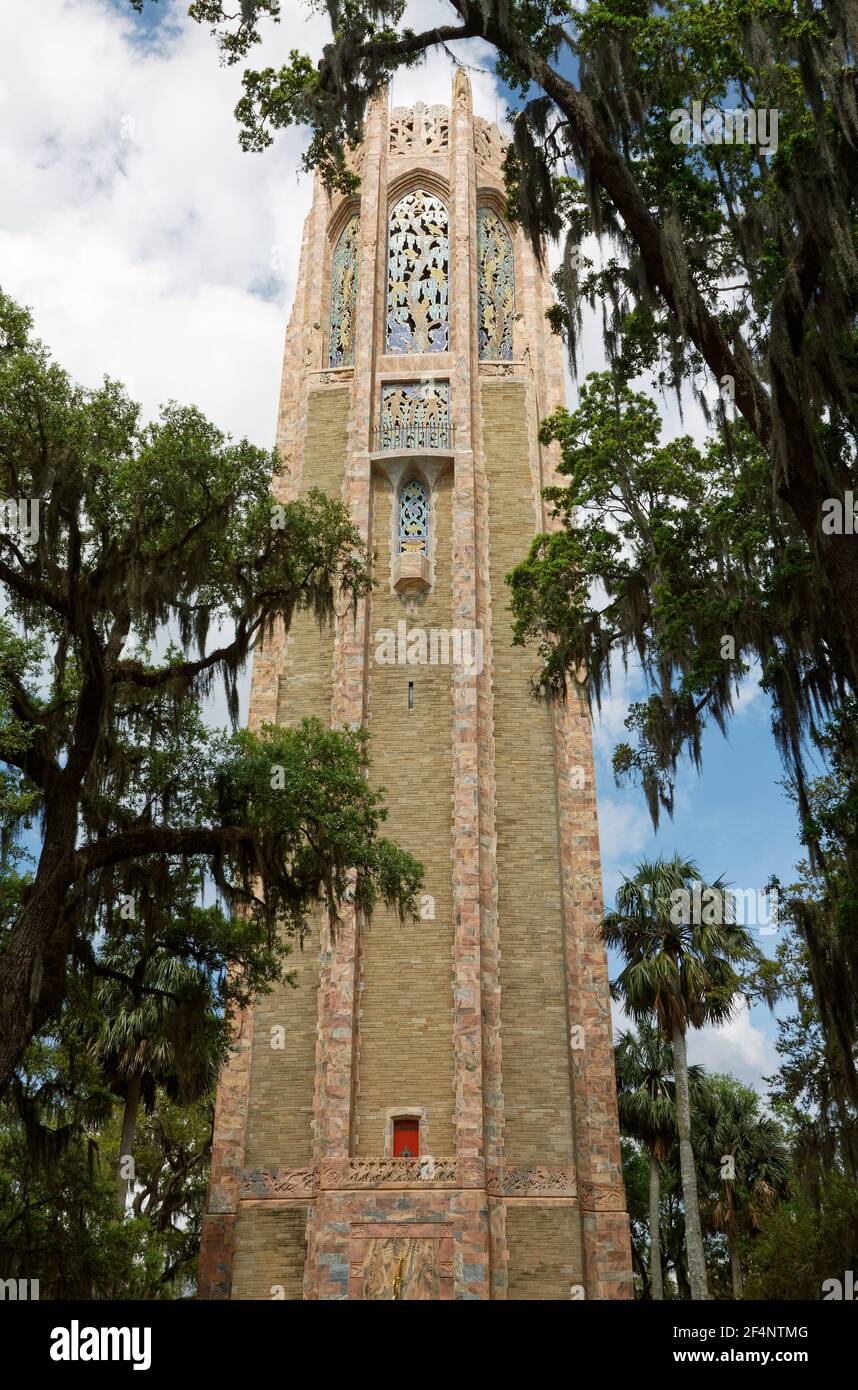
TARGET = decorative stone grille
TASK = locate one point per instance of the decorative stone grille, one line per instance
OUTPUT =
(426, 128)
(413, 518)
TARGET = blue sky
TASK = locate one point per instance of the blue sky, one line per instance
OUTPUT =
(152, 249)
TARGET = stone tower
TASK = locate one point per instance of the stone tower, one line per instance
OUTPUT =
(442, 1120)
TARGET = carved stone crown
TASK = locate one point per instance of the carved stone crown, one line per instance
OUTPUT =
(421, 129)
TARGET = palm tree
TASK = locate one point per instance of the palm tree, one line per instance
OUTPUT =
(646, 1095)
(155, 1028)
(680, 947)
(728, 1125)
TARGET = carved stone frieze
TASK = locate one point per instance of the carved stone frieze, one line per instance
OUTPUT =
(599, 1196)
(489, 144)
(279, 1182)
(390, 1172)
(508, 1180)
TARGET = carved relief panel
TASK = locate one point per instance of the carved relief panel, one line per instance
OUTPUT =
(398, 1268)
(401, 1262)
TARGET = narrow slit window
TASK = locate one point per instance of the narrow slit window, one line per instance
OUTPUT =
(413, 518)
(410, 694)
(406, 1137)
(344, 287)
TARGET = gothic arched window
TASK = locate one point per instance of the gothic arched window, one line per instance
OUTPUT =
(344, 285)
(418, 256)
(414, 517)
(496, 287)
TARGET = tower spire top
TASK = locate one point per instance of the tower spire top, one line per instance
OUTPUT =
(462, 89)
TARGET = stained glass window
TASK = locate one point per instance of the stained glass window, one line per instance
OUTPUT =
(496, 286)
(344, 285)
(413, 517)
(417, 275)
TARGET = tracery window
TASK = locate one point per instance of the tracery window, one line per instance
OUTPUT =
(418, 275)
(413, 517)
(344, 286)
(496, 286)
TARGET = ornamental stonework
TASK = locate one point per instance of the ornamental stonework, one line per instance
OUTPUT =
(390, 1172)
(423, 129)
(602, 1197)
(510, 1181)
(489, 144)
(495, 287)
(415, 415)
(279, 1182)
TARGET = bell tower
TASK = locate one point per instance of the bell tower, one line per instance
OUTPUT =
(441, 1120)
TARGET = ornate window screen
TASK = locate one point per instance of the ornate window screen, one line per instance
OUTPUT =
(344, 286)
(413, 520)
(426, 128)
(418, 275)
(415, 415)
(496, 287)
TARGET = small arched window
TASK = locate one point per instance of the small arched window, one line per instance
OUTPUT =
(418, 256)
(344, 287)
(496, 287)
(414, 517)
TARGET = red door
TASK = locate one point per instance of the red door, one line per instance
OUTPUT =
(406, 1138)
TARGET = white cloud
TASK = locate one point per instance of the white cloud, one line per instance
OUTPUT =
(133, 224)
(149, 246)
(739, 1047)
(624, 829)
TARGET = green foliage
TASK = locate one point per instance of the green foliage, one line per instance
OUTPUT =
(805, 1241)
(667, 551)
(731, 1133)
(58, 1217)
(672, 556)
(646, 1091)
(684, 971)
(144, 530)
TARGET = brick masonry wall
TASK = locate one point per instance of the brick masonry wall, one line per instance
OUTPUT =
(536, 1086)
(280, 1124)
(304, 686)
(271, 1248)
(405, 1042)
(544, 1250)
